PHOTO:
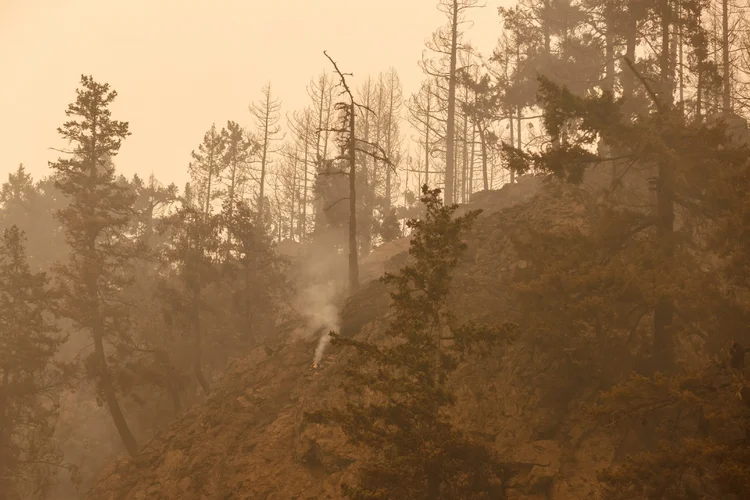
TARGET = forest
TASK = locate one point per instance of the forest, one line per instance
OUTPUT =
(558, 226)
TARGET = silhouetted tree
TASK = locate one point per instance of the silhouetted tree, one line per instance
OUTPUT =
(100, 210)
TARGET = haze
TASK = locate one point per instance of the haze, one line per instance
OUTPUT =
(179, 66)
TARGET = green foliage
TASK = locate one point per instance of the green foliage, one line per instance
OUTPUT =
(29, 376)
(399, 414)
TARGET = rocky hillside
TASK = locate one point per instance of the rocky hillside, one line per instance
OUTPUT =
(248, 439)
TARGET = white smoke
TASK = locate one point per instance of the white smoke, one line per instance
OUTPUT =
(321, 285)
(322, 343)
(317, 303)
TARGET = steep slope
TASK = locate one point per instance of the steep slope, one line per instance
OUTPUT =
(248, 439)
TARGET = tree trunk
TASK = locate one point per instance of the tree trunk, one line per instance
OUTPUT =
(105, 379)
(388, 146)
(198, 347)
(449, 196)
(367, 196)
(663, 337)
(264, 157)
(483, 141)
(609, 81)
(427, 138)
(90, 280)
(303, 235)
(680, 43)
(512, 128)
(353, 261)
(727, 84)
(631, 40)
(699, 94)
(465, 155)
(472, 158)
(294, 193)
(230, 210)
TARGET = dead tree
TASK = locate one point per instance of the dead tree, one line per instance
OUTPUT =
(348, 153)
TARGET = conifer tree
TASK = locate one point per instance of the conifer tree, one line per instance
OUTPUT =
(685, 157)
(239, 146)
(207, 168)
(194, 242)
(399, 414)
(95, 221)
(29, 340)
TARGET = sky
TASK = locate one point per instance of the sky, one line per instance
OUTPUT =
(180, 65)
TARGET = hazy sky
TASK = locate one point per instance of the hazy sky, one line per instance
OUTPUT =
(180, 65)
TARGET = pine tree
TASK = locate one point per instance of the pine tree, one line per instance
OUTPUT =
(239, 147)
(31, 206)
(685, 158)
(95, 221)
(207, 168)
(29, 340)
(194, 243)
(399, 414)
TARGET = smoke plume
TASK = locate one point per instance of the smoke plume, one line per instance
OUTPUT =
(321, 285)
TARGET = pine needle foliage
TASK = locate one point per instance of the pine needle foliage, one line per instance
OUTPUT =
(399, 412)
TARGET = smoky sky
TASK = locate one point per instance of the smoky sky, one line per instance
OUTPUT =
(179, 66)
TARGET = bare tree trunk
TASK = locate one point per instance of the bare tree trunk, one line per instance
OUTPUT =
(449, 196)
(727, 84)
(631, 40)
(266, 115)
(427, 137)
(699, 95)
(471, 159)
(353, 259)
(465, 152)
(305, 196)
(483, 141)
(263, 159)
(512, 140)
(388, 146)
(609, 81)
(294, 193)
(681, 59)
(367, 196)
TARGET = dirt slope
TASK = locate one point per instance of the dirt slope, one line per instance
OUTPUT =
(248, 441)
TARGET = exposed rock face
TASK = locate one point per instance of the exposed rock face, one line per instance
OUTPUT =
(248, 440)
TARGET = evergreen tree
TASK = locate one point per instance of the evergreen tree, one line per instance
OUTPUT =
(193, 248)
(400, 412)
(685, 158)
(207, 168)
(29, 340)
(95, 221)
(32, 206)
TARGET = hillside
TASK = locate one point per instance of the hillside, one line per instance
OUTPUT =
(247, 440)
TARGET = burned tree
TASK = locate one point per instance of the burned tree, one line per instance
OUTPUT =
(349, 148)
